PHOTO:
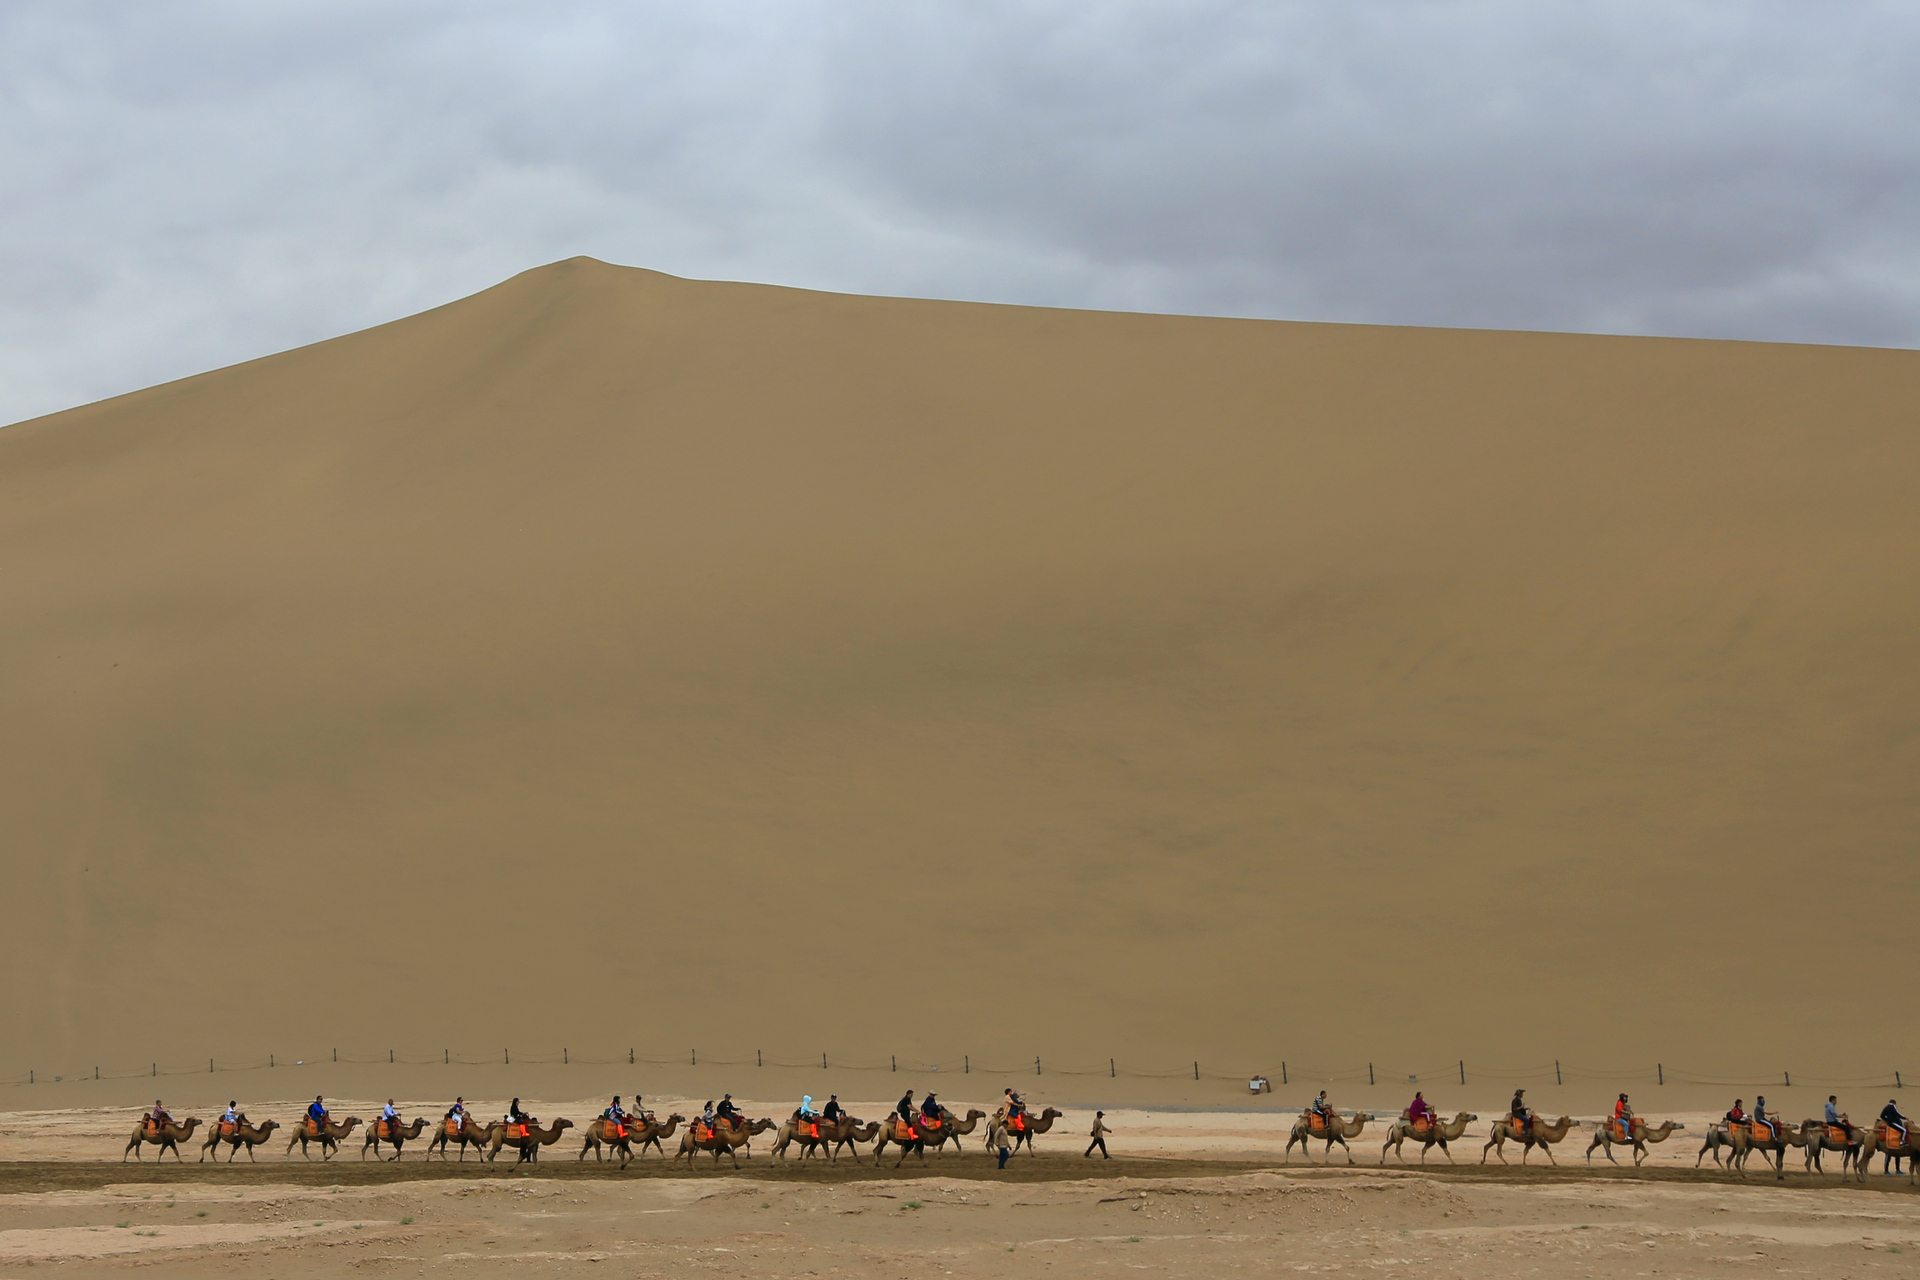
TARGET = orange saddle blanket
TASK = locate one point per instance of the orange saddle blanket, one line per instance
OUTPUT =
(1836, 1136)
(1316, 1123)
(227, 1128)
(1421, 1126)
(383, 1129)
(1018, 1124)
(453, 1128)
(153, 1129)
(312, 1127)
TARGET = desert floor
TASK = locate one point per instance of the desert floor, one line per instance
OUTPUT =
(1187, 1193)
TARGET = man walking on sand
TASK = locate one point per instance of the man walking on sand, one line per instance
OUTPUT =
(1100, 1132)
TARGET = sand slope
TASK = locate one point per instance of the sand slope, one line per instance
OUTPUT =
(612, 657)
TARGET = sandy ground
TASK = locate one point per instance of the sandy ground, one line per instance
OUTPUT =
(1054, 1214)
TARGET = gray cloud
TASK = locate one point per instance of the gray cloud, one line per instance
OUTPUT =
(192, 184)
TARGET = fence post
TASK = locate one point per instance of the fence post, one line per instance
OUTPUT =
(389, 1057)
(1661, 1069)
(693, 1057)
(1036, 1066)
(1463, 1071)
(506, 1059)
(1112, 1071)
(336, 1055)
(893, 1063)
(269, 1059)
(96, 1073)
(966, 1065)
(1556, 1072)
(446, 1057)
(758, 1061)
(1283, 1071)
(823, 1061)
(1788, 1076)
(156, 1071)
(1196, 1074)
(29, 1077)
(1196, 1071)
(209, 1066)
(629, 1057)
(564, 1060)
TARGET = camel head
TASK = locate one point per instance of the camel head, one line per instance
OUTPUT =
(1050, 1113)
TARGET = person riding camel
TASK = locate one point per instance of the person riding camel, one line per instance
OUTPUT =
(1016, 1112)
(317, 1114)
(1762, 1116)
(458, 1114)
(832, 1110)
(231, 1118)
(1736, 1115)
(930, 1111)
(159, 1117)
(1891, 1117)
(614, 1111)
(728, 1111)
(1322, 1108)
(518, 1119)
(1420, 1110)
(707, 1115)
(1836, 1119)
(1519, 1112)
(1623, 1116)
(390, 1117)
(904, 1109)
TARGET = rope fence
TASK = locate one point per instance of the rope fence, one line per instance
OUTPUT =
(1281, 1074)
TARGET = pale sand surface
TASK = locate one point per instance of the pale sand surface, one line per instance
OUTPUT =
(610, 660)
(960, 1219)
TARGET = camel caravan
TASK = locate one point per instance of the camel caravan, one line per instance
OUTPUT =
(1740, 1133)
(1421, 1125)
(617, 1134)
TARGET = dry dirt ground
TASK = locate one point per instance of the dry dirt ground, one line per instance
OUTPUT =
(1167, 1214)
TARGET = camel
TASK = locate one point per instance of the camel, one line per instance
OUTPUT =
(911, 1139)
(305, 1131)
(1538, 1133)
(644, 1128)
(168, 1138)
(1887, 1141)
(1023, 1133)
(1607, 1135)
(1716, 1139)
(721, 1137)
(1817, 1139)
(952, 1129)
(463, 1131)
(1743, 1141)
(1440, 1131)
(819, 1134)
(505, 1135)
(852, 1135)
(1335, 1130)
(244, 1134)
(655, 1131)
(379, 1131)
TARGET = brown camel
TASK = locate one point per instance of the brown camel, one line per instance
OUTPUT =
(242, 1134)
(815, 1135)
(853, 1133)
(1428, 1135)
(1333, 1130)
(654, 1132)
(527, 1144)
(912, 1138)
(305, 1131)
(1744, 1141)
(465, 1131)
(721, 1137)
(1538, 1133)
(952, 1128)
(1609, 1133)
(1026, 1126)
(642, 1129)
(380, 1131)
(1888, 1141)
(1817, 1137)
(1716, 1139)
(167, 1137)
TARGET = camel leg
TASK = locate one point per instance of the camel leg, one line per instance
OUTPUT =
(1550, 1160)
(1445, 1152)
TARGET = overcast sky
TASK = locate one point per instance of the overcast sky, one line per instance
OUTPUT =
(185, 185)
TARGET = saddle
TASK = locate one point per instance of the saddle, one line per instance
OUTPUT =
(227, 1128)
(311, 1127)
(522, 1131)
(905, 1131)
(1888, 1138)
(1837, 1136)
(1421, 1126)
(152, 1128)
(1018, 1123)
(383, 1128)
(619, 1128)
(1316, 1122)
(453, 1127)
(1627, 1132)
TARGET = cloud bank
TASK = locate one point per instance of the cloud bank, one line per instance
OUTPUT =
(188, 185)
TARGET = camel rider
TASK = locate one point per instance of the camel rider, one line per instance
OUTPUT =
(1835, 1119)
(515, 1116)
(1322, 1108)
(458, 1113)
(1519, 1112)
(1420, 1109)
(904, 1109)
(232, 1115)
(728, 1112)
(1623, 1115)
(832, 1110)
(1891, 1117)
(1760, 1116)
(805, 1114)
(639, 1111)
(1016, 1105)
(706, 1116)
(930, 1110)
(317, 1113)
(159, 1117)
(613, 1111)
(391, 1117)
(1736, 1116)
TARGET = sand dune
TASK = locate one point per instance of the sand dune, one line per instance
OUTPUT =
(609, 657)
